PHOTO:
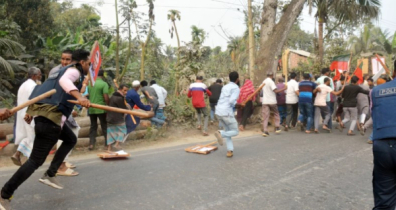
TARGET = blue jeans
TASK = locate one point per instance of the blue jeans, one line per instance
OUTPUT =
(230, 129)
(160, 114)
(331, 108)
(371, 136)
(306, 114)
(282, 113)
(212, 111)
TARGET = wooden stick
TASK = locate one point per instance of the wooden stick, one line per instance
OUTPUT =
(254, 93)
(210, 144)
(119, 110)
(33, 100)
(383, 65)
(116, 84)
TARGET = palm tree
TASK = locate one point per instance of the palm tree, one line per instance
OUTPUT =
(198, 34)
(371, 40)
(174, 15)
(8, 48)
(342, 11)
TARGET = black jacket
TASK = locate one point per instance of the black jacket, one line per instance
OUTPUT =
(116, 100)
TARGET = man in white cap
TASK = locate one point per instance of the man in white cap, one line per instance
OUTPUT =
(133, 98)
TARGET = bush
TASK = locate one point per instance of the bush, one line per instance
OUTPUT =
(179, 110)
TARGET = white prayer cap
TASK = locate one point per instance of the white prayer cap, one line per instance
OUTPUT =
(135, 83)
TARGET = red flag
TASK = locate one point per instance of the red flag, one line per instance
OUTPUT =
(340, 64)
(359, 73)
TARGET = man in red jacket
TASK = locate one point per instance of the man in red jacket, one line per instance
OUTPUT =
(197, 92)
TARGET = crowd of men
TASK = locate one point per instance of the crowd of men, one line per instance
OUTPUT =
(297, 104)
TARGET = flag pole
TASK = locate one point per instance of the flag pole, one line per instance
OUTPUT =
(384, 66)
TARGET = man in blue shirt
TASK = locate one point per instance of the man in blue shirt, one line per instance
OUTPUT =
(225, 113)
(305, 103)
(133, 98)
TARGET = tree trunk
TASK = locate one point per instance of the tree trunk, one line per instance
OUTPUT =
(275, 37)
(178, 61)
(117, 60)
(320, 40)
(128, 54)
(144, 45)
(267, 29)
(251, 40)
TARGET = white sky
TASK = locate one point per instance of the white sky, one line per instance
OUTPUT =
(209, 14)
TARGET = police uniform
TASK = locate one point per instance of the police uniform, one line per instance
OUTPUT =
(384, 146)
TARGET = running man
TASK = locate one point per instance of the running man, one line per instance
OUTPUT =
(50, 115)
(225, 113)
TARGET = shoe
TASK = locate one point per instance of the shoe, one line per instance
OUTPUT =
(351, 134)
(212, 122)
(277, 130)
(286, 128)
(219, 138)
(340, 128)
(51, 181)
(230, 154)
(5, 204)
(265, 134)
(369, 142)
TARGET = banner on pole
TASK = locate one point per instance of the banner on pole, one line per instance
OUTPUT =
(376, 65)
(96, 61)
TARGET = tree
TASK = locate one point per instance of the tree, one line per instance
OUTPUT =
(251, 40)
(33, 16)
(273, 35)
(299, 39)
(343, 11)
(198, 34)
(174, 15)
(144, 44)
(370, 40)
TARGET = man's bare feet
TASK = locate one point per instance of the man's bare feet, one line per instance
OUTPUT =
(241, 128)
(16, 158)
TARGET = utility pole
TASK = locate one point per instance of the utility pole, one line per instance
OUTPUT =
(251, 40)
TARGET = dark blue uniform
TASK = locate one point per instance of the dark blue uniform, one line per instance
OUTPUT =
(384, 146)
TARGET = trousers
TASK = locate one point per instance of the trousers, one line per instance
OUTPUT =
(47, 135)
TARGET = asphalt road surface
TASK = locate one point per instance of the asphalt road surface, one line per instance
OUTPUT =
(286, 171)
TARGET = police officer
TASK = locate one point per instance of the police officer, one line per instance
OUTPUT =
(384, 147)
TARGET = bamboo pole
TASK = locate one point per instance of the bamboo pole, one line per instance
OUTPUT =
(33, 101)
(149, 114)
(383, 65)
(252, 95)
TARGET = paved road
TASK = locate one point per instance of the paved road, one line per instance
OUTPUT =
(286, 171)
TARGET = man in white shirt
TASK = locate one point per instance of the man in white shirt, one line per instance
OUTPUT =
(292, 94)
(162, 94)
(24, 133)
(320, 104)
(330, 104)
(270, 103)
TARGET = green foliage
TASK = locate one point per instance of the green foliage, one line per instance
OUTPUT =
(179, 109)
(33, 16)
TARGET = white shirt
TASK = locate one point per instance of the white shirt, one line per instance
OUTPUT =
(321, 96)
(161, 93)
(291, 96)
(269, 96)
(24, 92)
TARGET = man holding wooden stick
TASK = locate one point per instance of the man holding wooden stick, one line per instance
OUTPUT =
(49, 116)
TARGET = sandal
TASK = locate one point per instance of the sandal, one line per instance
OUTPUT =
(68, 172)
(307, 132)
(69, 165)
(199, 127)
(326, 128)
(205, 134)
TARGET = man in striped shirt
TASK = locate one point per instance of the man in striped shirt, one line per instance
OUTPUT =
(305, 103)
(197, 92)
